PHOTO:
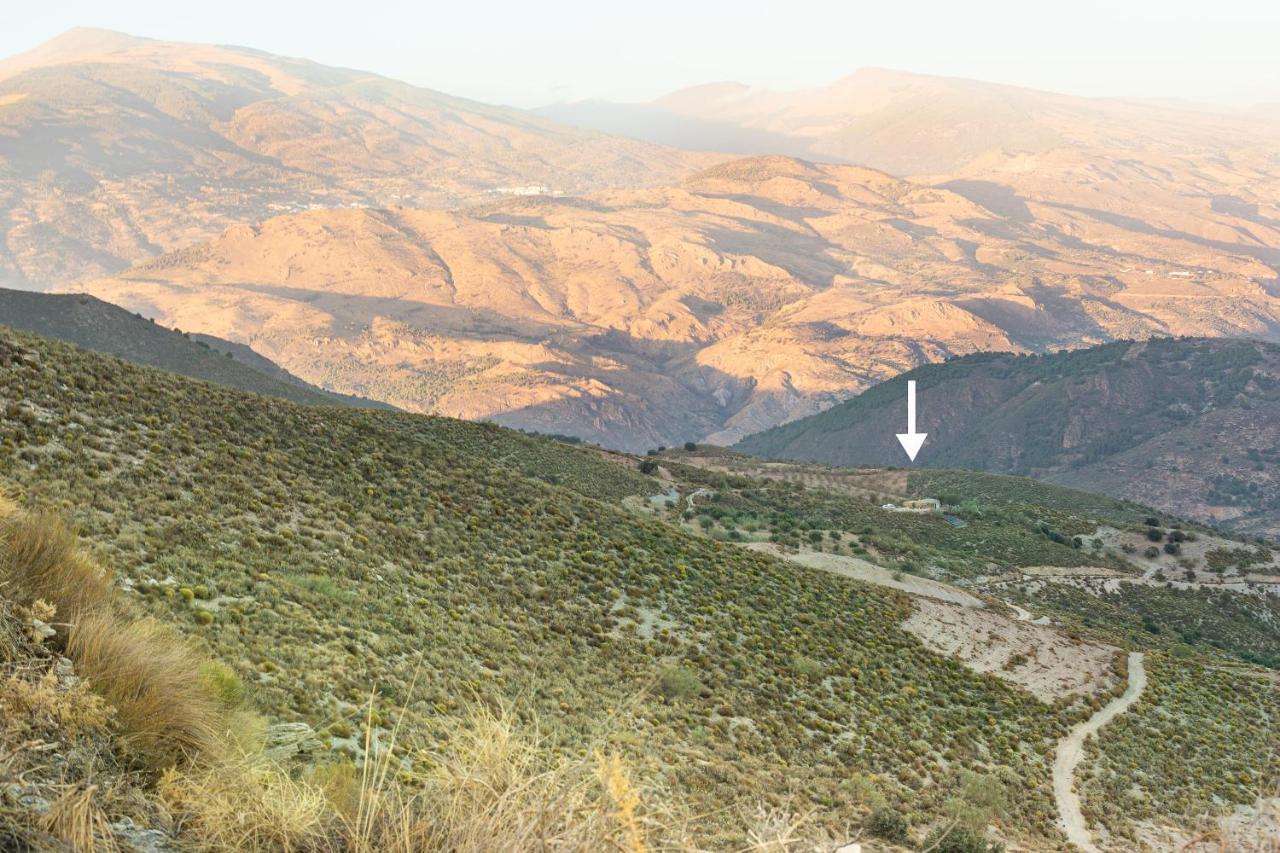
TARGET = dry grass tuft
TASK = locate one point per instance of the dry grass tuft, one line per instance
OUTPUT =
(76, 819)
(497, 788)
(494, 789)
(248, 805)
(373, 818)
(13, 636)
(152, 680)
(626, 799)
(776, 830)
(163, 707)
(40, 559)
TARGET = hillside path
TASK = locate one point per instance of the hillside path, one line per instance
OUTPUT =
(1024, 615)
(1071, 750)
(859, 569)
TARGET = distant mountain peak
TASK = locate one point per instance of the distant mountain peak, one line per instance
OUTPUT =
(694, 95)
(94, 37)
(77, 44)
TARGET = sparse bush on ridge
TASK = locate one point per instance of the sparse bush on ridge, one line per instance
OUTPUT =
(679, 682)
(887, 823)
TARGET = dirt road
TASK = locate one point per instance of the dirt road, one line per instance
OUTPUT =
(1071, 750)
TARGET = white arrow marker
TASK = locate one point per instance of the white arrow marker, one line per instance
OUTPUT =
(911, 440)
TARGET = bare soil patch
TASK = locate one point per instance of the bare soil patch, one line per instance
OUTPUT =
(1033, 657)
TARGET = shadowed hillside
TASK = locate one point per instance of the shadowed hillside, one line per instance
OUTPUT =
(1186, 425)
(99, 326)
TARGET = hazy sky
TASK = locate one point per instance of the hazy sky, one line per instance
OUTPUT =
(534, 52)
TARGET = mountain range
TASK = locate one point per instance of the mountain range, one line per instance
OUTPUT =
(440, 255)
(752, 293)
(115, 148)
(922, 125)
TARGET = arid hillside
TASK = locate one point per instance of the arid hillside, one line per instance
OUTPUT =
(101, 327)
(1187, 426)
(736, 644)
(1152, 181)
(114, 149)
(753, 293)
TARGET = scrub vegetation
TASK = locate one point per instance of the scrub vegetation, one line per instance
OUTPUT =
(471, 618)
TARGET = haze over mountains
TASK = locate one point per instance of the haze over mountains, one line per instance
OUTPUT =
(114, 149)
(657, 300)
(917, 124)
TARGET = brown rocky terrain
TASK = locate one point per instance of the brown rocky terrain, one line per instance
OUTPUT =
(114, 149)
(753, 293)
(443, 255)
(1154, 182)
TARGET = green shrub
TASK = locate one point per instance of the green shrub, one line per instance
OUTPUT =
(678, 683)
(959, 839)
(807, 667)
(887, 823)
(222, 681)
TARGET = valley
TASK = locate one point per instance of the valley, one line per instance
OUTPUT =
(388, 470)
(753, 293)
(331, 571)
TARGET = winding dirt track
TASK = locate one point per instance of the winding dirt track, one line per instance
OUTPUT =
(1071, 750)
